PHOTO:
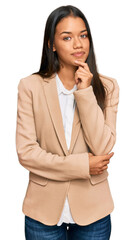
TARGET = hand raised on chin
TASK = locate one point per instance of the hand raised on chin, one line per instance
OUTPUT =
(83, 76)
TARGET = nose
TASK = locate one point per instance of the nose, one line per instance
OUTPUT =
(77, 43)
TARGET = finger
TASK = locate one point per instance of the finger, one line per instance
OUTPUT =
(108, 156)
(80, 78)
(102, 165)
(76, 80)
(84, 74)
(81, 75)
(100, 172)
(106, 162)
(105, 167)
(82, 64)
(81, 69)
(90, 154)
(111, 154)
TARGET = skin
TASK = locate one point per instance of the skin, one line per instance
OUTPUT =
(72, 46)
(71, 37)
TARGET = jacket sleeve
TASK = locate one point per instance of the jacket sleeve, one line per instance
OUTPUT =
(99, 127)
(33, 157)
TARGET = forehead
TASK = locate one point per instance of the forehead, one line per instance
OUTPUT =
(70, 24)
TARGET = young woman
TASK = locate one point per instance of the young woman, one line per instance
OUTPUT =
(66, 128)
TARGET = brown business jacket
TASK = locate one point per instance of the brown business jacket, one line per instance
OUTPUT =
(54, 171)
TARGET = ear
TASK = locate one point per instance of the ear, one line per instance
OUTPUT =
(54, 49)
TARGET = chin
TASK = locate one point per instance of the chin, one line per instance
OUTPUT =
(80, 59)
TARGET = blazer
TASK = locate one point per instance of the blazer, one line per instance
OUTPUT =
(54, 171)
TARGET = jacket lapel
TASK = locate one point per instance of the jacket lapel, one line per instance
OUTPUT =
(51, 94)
(75, 129)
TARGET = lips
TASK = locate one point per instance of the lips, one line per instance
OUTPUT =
(78, 54)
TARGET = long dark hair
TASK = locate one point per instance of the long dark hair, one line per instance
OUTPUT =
(49, 61)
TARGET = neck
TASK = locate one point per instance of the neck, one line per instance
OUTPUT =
(67, 76)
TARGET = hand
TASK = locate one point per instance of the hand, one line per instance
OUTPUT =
(99, 163)
(83, 76)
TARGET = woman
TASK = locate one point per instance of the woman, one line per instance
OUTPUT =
(66, 128)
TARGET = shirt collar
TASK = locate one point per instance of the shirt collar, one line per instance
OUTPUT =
(61, 88)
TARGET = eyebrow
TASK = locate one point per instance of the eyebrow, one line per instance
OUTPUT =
(71, 32)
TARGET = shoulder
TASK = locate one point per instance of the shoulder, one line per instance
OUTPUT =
(109, 83)
(29, 87)
(112, 91)
(111, 86)
(34, 81)
(30, 82)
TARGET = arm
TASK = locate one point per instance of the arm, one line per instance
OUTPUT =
(99, 128)
(36, 159)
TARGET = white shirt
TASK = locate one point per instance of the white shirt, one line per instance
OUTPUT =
(67, 105)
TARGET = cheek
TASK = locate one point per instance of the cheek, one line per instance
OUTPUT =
(63, 49)
(87, 45)
(87, 48)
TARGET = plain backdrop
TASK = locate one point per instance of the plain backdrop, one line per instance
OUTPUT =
(22, 26)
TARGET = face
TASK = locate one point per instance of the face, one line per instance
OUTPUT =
(71, 41)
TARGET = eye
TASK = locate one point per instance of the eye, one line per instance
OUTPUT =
(67, 38)
(84, 36)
